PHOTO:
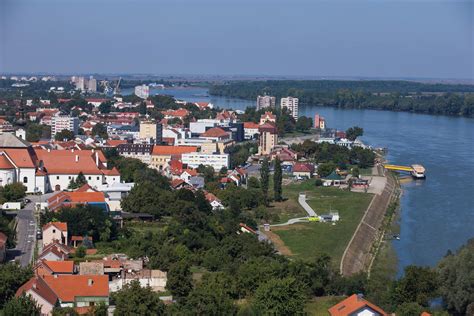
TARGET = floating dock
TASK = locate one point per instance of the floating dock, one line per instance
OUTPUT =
(417, 171)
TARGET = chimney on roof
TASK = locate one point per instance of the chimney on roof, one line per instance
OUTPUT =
(34, 285)
(90, 282)
(49, 150)
(360, 297)
(55, 276)
(97, 159)
(72, 150)
(77, 158)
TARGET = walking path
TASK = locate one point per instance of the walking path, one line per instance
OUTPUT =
(305, 205)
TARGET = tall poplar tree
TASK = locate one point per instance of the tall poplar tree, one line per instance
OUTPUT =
(264, 179)
(277, 180)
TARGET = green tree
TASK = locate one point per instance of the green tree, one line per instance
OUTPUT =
(105, 107)
(277, 180)
(456, 275)
(78, 182)
(133, 299)
(304, 124)
(353, 132)
(80, 252)
(209, 301)
(21, 306)
(355, 172)
(264, 179)
(100, 130)
(409, 309)
(326, 169)
(12, 276)
(280, 297)
(419, 285)
(64, 135)
(13, 192)
(179, 281)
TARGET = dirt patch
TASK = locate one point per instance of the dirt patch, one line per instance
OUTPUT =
(279, 244)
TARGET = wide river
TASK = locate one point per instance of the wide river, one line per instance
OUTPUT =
(437, 213)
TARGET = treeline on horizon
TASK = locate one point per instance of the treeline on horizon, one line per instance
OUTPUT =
(436, 98)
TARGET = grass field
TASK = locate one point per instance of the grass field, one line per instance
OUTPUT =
(319, 306)
(306, 240)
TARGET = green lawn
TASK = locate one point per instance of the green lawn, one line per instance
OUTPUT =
(306, 240)
(320, 305)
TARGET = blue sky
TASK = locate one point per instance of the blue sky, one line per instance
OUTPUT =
(424, 39)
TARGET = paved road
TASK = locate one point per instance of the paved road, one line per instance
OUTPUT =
(25, 235)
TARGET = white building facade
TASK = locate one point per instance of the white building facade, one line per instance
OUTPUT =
(291, 104)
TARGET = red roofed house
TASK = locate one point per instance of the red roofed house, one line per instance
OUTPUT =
(356, 305)
(67, 291)
(214, 201)
(303, 170)
(162, 155)
(250, 130)
(216, 134)
(55, 252)
(267, 117)
(177, 184)
(179, 113)
(44, 267)
(71, 199)
(55, 231)
(44, 296)
(204, 105)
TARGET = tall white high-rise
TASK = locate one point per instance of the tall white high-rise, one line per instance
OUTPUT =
(60, 123)
(265, 101)
(92, 84)
(291, 104)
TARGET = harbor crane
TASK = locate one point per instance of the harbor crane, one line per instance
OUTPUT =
(117, 87)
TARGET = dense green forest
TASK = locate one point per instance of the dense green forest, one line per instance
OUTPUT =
(446, 99)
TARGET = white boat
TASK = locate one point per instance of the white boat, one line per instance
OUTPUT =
(418, 171)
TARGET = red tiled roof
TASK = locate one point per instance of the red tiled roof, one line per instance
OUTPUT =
(111, 172)
(215, 132)
(68, 287)
(115, 142)
(173, 150)
(268, 127)
(86, 187)
(59, 225)
(176, 183)
(64, 161)
(251, 125)
(176, 113)
(20, 156)
(60, 266)
(191, 172)
(303, 167)
(351, 304)
(5, 163)
(40, 287)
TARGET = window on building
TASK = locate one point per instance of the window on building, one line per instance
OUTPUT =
(25, 179)
(98, 178)
(57, 177)
(69, 177)
(90, 178)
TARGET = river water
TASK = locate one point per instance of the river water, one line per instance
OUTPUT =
(437, 213)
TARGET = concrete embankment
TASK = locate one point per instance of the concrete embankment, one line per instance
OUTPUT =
(358, 255)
